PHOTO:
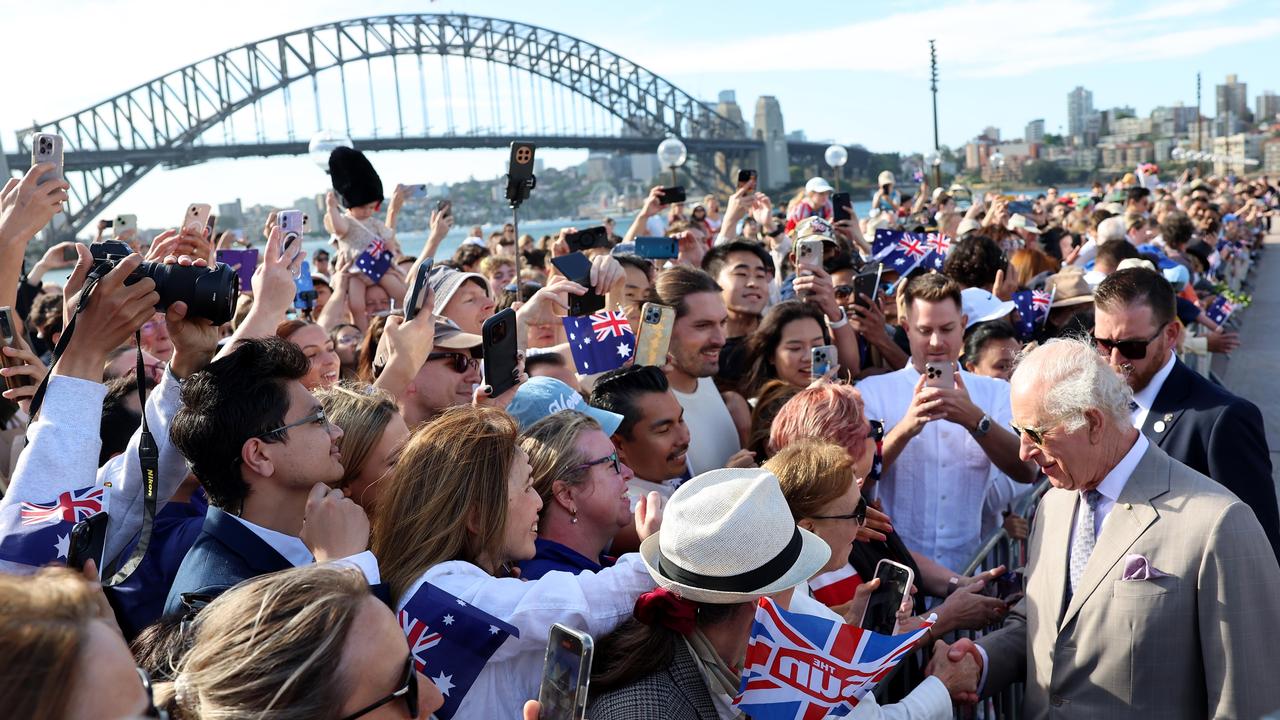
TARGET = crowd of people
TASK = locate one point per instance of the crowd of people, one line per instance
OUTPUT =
(266, 500)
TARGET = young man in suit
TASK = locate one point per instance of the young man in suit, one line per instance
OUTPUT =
(261, 446)
(1192, 419)
(1150, 588)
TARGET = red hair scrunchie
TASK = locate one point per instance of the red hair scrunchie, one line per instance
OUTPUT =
(663, 607)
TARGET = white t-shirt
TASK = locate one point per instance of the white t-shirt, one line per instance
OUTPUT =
(713, 438)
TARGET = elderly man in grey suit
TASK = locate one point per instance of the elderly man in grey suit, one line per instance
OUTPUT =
(1152, 591)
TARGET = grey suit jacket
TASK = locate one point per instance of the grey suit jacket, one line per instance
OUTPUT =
(1202, 642)
(676, 692)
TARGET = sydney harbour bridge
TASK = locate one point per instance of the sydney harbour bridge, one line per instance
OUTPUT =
(387, 83)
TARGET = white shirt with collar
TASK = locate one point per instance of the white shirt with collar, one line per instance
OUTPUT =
(936, 490)
(296, 552)
(1146, 397)
(1113, 484)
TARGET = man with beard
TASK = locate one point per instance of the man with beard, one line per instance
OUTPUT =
(742, 271)
(1193, 420)
(697, 338)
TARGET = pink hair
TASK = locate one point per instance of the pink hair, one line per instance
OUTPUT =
(828, 412)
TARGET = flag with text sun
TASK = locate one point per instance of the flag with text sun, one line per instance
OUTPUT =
(600, 341)
(900, 251)
(804, 667)
(450, 641)
(39, 533)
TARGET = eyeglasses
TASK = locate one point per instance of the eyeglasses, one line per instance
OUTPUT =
(859, 514)
(617, 468)
(1129, 349)
(1034, 434)
(408, 690)
(459, 363)
(152, 711)
(317, 417)
(844, 291)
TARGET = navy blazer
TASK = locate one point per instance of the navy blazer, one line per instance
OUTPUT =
(225, 553)
(1217, 434)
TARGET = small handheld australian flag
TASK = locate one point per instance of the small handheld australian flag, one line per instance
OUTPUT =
(1220, 310)
(600, 341)
(375, 261)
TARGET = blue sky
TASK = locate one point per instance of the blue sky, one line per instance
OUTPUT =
(853, 73)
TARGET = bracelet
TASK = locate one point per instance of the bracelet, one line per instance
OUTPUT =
(844, 320)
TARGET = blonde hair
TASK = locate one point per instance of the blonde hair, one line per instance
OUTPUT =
(452, 472)
(812, 473)
(490, 264)
(271, 647)
(44, 625)
(362, 411)
(553, 454)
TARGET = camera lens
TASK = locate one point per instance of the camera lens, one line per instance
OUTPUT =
(209, 293)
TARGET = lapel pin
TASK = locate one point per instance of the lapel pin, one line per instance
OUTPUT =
(1128, 506)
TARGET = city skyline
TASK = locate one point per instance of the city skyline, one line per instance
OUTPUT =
(1142, 55)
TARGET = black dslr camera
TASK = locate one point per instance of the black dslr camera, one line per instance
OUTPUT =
(209, 292)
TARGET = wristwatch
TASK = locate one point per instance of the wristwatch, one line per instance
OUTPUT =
(983, 427)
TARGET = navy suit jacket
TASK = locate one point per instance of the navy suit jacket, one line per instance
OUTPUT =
(1217, 434)
(225, 553)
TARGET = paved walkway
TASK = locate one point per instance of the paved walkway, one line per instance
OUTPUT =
(1253, 370)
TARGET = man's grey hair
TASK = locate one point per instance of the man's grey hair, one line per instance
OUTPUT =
(1072, 378)
(1111, 229)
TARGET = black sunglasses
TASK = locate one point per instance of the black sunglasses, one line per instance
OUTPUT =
(459, 363)
(607, 458)
(1129, 349)
(408, 690)
(859, 514)
(152, 711)
(844, 291)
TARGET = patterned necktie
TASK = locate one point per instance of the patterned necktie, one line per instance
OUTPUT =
(1082, 540)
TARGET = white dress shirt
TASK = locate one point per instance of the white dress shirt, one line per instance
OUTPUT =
(299, 555)
(936, 489)
(1146, 397)
(1113, 484)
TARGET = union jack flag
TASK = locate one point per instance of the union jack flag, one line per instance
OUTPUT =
(609, 324)
(938, 246)
(376, 247)
(39, 533)
(420, 640)
(804, 667)
(1220, 310)
(599, 342)
(1041, 301)
(899, 251)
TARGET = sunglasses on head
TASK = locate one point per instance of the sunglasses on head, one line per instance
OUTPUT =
(1129, 349)
(458, 362)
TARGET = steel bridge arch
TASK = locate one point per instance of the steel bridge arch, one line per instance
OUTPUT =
(174, 110)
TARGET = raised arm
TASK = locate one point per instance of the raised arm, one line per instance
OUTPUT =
(652, 206)
(273, 291)
(25, 208)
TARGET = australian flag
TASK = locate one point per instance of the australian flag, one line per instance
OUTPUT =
(939, 245)
(600, 341)
(1033, 310)
(38, 534)
(450, 641)
(375, 261)
(900, 251)
(804, 667)
(1220, 310)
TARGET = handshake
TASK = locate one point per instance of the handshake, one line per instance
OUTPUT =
(959, 667)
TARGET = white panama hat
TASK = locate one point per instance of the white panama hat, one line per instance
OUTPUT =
(728, 536)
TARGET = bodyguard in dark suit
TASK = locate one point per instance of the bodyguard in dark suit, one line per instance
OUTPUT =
(1193, 420)
(264, 452)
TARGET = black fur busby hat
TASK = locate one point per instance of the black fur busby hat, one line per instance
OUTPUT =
(354, 178)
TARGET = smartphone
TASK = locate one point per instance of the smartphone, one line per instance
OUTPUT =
(445, 207)
(1020, 207)
(290, 224)
(417, 192)
(211, 227)
(940, 375)
(591, 238)
(673, 194)
(12, 333)
(1009, 587)
(867, 283)
(87, 540)
(576, 267)
(520, 178)
(823, 359)
(654, 337)
(747, 178)
(244, 262)
(305, 296)
(657, 248)
(196, 219)
(500, 351)
(808, 255)
(565, 674)
(306, 224)
(881, 615)
(839, 204)
(124, 224)
(417, 293)
(46, 148)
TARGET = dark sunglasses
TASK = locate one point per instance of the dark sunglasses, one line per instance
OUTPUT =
(1034, 434)
(617, 468)
(459, 363)
(859, 514)
(844, 291)
(408, 690)
(152, 711)
(1129, 349)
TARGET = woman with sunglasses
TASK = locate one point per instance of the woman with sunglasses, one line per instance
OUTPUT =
(458, 512)
(308, 643)
(583, 487)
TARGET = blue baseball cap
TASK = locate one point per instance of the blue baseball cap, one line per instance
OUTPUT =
(541, 396)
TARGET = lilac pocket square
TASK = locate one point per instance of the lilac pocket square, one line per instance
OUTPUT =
(1137, 567)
